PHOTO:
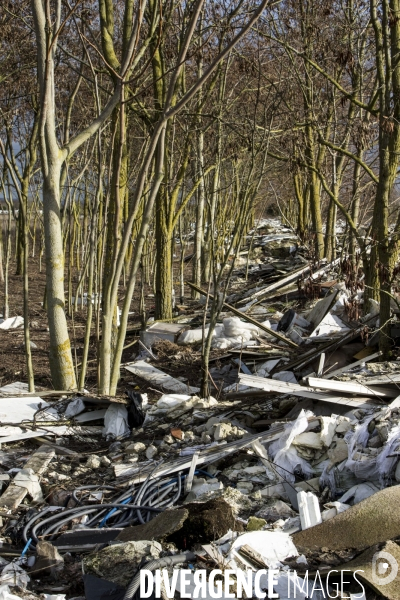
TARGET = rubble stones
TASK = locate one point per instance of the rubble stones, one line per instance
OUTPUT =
(93, 462)
(48, 559)
(151, 451)
(255, 524)
(119, 563)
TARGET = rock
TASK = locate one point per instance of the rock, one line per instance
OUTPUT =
(344, 424)
(207, 521)
(151, 451)
(160, 527)
(48, 560)
(205, 438)
(105, 461)
(338, 451)
(308, 439)
(246, 487)
(383, 431)
(139, 447)
(255, 524)
(93, 462)
(278, 510)
(58, 476)
(119, 563)
(168, 439)
(370, 522)
(222, 431)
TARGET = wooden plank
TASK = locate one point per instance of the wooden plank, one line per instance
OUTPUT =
(281, 387)
(321, 309)
(288, 279)
(158, 378)
(245, 317)
(351, 365)
(350, 387)
(381, 379)
(38, 462)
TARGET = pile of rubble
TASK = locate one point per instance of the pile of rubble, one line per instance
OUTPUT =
(293, 465)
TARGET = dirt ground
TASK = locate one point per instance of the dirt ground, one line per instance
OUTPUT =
(12, 355)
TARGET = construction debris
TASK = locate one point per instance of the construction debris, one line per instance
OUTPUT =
(292, 464)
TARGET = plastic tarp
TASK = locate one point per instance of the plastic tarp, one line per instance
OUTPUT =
(11, 323)
(116, 422)
(285, 454)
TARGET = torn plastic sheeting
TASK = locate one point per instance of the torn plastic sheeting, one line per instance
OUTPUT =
(359, 492)
(116, 422)
(285, 455)
(13, 575)
(287, 376)
(274, 546)
(158, 378)
(234, 327)
(28, 479)
(11, 323)
(194, 336)
(75, 407)
(5, 593)
(375, 466)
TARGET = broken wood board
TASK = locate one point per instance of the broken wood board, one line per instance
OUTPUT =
(138, 474)
(381, 379)
(350, 387)
(288, 279)
(293, 389)
(352, 365)
(240, 314)
(38, 462)
(322, 308)
(159, 379)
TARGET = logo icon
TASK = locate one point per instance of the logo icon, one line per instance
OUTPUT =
(384, 568)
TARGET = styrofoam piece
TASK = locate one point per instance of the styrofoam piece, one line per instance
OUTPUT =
(170, 401)
(310, 514)
(159, 379)
(11, 323)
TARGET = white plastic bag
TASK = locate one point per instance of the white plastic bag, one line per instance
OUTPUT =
(74, 408)
(116, 422)
(285, 455)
